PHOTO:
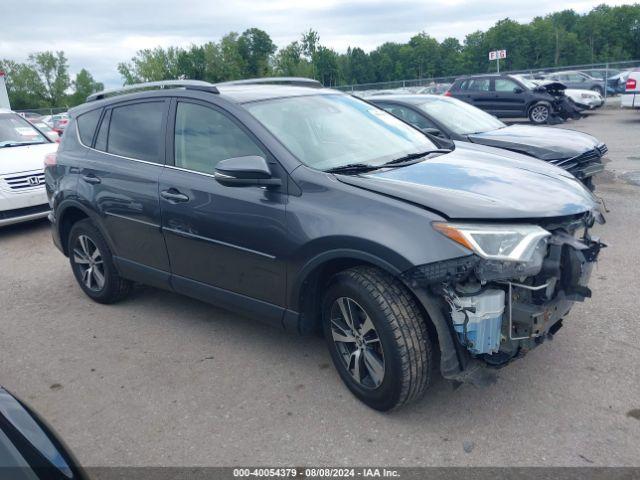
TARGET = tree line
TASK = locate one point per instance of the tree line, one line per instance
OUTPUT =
(561, 38)
(44, 81)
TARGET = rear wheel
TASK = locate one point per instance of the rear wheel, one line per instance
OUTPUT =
(377, 338)
(92, 264)
(597, 90)
(539, 113)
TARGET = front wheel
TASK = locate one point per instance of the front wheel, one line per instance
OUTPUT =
(539, 113)
(377, 338)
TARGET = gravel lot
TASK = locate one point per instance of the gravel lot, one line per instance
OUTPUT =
(165, 380)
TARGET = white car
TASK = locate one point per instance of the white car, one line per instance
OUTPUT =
(22, 153)
(631, 95)
(587, 99)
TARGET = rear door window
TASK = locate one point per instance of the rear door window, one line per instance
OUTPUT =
(505, 85)
(135, 131)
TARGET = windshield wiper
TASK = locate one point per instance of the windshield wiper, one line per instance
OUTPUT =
(20, 144)
(352, 168)
(407, 159)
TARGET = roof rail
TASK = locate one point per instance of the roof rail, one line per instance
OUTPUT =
(295, 81)
(187, 84)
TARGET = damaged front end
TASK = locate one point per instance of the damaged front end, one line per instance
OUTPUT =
(510, 295)
(563, 106)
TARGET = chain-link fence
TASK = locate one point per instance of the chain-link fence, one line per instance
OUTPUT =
(608, 72)
(42, 112)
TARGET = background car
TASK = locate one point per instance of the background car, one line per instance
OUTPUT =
(602, 73)
(509, 96)
(434, 89)
(22, 151)
(631, 96)
(618, 83)
(47, 130)
(580, 80)
(577, 152)
(57, 122)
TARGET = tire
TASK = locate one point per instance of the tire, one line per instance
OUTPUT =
(598, 89)
(403, 345)
(540, 113)
(84, 240)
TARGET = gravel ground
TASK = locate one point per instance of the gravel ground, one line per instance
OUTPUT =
(164, 380)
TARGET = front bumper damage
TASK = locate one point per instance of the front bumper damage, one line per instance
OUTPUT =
(486, 316)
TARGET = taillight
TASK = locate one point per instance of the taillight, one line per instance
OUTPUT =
(447, 93)
(51, 159)
(631, 84)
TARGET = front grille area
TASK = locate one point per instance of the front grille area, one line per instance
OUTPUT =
(21, 212)
(24, 181)
(580, 162)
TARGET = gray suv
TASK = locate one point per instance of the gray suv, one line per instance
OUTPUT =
(316, 211)
(579, 80)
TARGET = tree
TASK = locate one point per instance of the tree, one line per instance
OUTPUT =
(84, 85)
(53, 71)
(255, 47)
(291, 62)
(24, 86)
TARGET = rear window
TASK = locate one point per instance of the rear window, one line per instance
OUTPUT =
(135, 131)
(87, 124)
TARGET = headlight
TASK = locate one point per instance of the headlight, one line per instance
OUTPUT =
(511, 243)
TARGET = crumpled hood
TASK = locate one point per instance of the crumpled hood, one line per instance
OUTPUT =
(25, 158)
(469, 183)
(545, 143)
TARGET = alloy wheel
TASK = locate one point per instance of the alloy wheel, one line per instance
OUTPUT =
(540, 113)
(357, 342)
(88, 258)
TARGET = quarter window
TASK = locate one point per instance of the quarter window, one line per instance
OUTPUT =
(87, 124)
(204, 136)
(478, 85)
(135, 131)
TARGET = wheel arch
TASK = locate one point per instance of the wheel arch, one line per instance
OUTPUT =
(69, 214)
(309, 284)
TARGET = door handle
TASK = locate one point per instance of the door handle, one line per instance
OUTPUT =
(91, 178)
(173, 195)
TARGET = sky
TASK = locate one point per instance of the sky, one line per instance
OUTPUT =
(98, 34)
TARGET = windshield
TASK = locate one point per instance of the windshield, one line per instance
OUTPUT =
(15, 130)
(329, 131)
(530, 84)
(460, 117)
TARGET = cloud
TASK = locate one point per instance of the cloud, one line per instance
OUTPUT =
(97, 35)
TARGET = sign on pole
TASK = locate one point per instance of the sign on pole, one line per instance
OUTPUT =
(497, 55)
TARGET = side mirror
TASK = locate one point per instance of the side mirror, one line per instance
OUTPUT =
(244, 171)
(517, 90)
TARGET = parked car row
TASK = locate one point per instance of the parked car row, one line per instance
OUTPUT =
(315, 210)
(449, 118)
